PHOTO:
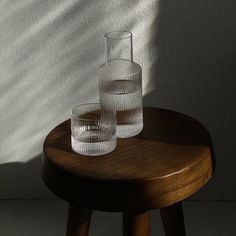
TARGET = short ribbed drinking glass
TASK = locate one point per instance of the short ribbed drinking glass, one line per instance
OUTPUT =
(93, 129)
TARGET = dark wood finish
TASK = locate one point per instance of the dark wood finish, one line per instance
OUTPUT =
(173, 220)
(78, 221)
(167, 162)
(136, 224)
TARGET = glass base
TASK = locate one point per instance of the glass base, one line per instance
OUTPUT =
(93, 148)
(128, 131)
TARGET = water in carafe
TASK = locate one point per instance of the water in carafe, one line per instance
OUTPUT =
(120, 83)
(122, 91)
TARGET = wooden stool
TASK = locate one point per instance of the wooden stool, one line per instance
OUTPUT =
(166, 163)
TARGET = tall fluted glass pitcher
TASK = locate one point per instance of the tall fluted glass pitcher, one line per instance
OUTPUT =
(120, 83)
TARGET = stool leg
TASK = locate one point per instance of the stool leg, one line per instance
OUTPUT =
(78, 220)
(136, 224)
(173, 220)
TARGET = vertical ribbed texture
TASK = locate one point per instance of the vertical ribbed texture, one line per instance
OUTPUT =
(121, 89)
(120, 83)
(93, 129)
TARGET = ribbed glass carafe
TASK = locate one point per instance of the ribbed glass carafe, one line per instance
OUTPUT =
(120, 83)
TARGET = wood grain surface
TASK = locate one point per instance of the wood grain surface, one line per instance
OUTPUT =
(168, 161)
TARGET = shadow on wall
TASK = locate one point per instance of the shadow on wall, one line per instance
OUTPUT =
(23, 179)
(194, 72)
(49, 52)
(192, 50)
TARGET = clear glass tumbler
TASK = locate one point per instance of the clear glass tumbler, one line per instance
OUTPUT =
(120, 83)
(93, 129)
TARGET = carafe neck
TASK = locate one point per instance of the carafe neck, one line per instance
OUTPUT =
(118, 46)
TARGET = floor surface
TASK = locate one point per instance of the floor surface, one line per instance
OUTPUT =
(48, 218)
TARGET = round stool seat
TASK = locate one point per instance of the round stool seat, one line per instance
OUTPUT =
(167, 162)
